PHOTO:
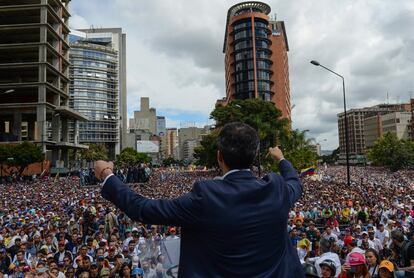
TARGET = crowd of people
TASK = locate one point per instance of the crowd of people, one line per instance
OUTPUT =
(61, 228)
(133, 174)
(361, 230)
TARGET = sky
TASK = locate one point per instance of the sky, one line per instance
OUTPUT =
(174, 55)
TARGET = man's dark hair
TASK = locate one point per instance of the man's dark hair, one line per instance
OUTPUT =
(238, 143)
(397, 235)
(324, 245)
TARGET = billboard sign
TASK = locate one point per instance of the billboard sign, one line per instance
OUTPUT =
(146, 146)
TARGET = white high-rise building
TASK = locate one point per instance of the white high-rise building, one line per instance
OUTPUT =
(117, 41)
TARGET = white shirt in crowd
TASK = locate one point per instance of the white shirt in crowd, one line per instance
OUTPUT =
(382, 235)
(327, 256)
(377, 244)
(370, 243)
(327, 237)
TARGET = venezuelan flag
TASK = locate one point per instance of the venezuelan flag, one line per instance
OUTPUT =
(308, 172)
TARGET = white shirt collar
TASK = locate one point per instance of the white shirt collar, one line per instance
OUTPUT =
(230, 172)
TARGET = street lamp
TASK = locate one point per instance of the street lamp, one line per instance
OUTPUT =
(348, 176)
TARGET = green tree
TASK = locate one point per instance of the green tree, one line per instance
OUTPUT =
(261, 115)
(392, 152)
(130, 157)
(271, 127)
(143, 158)
(332, 158)
(206, 153)
(5, 152)
(298, 149)
(95, 152)
(25, 154)
(171, 161)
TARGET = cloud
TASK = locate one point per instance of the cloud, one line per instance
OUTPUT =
(78, 22)
(174, 53)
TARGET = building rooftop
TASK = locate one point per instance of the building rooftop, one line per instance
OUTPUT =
(250, 6)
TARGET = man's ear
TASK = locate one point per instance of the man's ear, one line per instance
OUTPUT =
(219, 157)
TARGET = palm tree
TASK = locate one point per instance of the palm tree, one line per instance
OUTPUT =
(298, 149)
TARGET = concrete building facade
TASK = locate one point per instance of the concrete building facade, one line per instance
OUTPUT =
(316, 148)
(34, 74)
(117, 39)
(356, 126)
(161, 126)
(256, 60)
(162, 134)
(398, 123)
(145, 118)
(172, 143)
(372, 130)
(94, 90)
(188, 139)
(188, 150)
(147, 126)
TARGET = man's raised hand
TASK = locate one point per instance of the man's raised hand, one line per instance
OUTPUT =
(103, 169)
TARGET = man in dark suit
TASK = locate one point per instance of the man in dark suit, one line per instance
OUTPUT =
(232, 226)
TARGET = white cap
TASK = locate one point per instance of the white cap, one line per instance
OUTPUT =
(135, 261)
(135, 229)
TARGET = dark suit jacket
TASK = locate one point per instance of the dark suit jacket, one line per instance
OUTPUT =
(235, 227)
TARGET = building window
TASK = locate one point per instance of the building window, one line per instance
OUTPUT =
(261, 74)
(244, 65)
(242, 24)
(265, 96)
(263, 64)
(262, 44)
(261, 33)
(244, 76)
(243, 45)
(262, 24)
(263, 85)
(244, 86)
(263, 53)
(244, 95)
(243, 55)
(245, 34)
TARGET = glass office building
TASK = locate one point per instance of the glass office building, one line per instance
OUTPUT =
(256, 60)
(94, 90)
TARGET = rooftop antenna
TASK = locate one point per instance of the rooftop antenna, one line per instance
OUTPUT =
(388, 99)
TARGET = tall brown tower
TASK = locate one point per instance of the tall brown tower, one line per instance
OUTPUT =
(256, 61)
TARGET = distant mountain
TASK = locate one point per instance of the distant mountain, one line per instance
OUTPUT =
(326, 152)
